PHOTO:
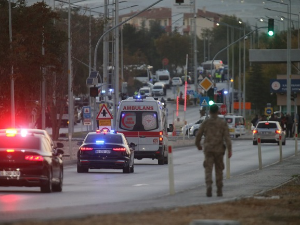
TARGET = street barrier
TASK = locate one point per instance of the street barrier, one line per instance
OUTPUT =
(259, 153)
(171, 171)
(280, 148)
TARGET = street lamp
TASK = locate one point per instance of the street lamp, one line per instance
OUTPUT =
(288, 58)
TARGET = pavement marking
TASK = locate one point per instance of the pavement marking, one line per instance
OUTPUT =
(139, 185)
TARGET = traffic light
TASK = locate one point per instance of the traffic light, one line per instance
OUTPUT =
(210, 94)
(93, 91)
(179, 1)
(271, 27)
(293, 96)
(220, 96)
(211, 102)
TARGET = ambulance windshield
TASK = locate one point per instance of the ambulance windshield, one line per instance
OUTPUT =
(138, 121)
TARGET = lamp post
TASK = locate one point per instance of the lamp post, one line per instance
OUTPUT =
(12, 82)
(288, 58)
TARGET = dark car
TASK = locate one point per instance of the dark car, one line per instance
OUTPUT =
(29, 159)
(103, 150)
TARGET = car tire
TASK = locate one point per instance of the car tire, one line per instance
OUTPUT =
(161, 159)
(195, 132)
(58, 187)
(126, 168)
(47, 186)
(254, 142)
(81, 169)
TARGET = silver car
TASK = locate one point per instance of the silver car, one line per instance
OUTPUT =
(269, 132)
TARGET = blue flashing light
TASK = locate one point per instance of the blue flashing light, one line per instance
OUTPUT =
(103, 91)
(225, 92)
(112, 132)
(138, 96)
(99, 142)
(111, 90)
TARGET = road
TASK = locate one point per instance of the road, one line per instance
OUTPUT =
(150, 181)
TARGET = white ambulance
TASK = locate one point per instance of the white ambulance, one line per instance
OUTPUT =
(143, 121)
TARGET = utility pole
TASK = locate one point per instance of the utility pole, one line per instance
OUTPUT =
(105, 49)
(12, 81)
(116, 70)
(195, 49)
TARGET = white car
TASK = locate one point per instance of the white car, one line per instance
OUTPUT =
(146, 91)
(158, 89)
(185, 129)
(176, 81)
(194, 129)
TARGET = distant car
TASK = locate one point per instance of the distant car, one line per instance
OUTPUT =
(146, 91)
(158, 89)
(185, 129)
(104, 150)
(28, 159)
(176, 81)
(194, 129)
(269, 132)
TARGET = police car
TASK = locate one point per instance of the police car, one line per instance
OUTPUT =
(28, 158)
(105, 150)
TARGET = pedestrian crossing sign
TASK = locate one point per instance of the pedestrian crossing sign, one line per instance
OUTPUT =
(204, 101)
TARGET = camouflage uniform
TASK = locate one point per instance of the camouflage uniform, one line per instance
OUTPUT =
(216, 132)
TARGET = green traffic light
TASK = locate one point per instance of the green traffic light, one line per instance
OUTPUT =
(211, 102)
(270, 33)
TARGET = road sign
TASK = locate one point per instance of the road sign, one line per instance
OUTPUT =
(86, 112)
(87, 122)
(104, 113)
(190, 92)
(223, 109)
(204, 101)
(206, 84)
(268, 111)
(105, 122)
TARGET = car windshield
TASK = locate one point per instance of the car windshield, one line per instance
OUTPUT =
(138, 121)
(145, 90)
(103, 138)
(164, 77)
(20, 142)
(157, 87)
(267, 125)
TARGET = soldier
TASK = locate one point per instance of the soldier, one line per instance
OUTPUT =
(216, 132)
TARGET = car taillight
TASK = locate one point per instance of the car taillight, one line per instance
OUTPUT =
(10, 150)
(119, 149)
(255, 131)
(277, 131)
(37, 158)
(86, 149)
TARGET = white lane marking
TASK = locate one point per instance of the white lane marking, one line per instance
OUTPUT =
(139, 185)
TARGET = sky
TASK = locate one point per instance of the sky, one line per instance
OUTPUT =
(248, 10)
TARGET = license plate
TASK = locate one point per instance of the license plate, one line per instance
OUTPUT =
(231, 130)
(102, 151)
(4, 173)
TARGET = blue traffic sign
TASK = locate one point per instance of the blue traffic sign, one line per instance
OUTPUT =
(86, 112)
(204, 101)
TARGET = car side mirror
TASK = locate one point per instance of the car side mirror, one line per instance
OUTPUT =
(59, 145)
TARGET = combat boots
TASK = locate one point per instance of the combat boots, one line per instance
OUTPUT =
(208, 191)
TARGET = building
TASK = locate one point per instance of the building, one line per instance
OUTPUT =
(182, 23)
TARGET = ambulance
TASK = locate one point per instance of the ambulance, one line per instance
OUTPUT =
(143, 121)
